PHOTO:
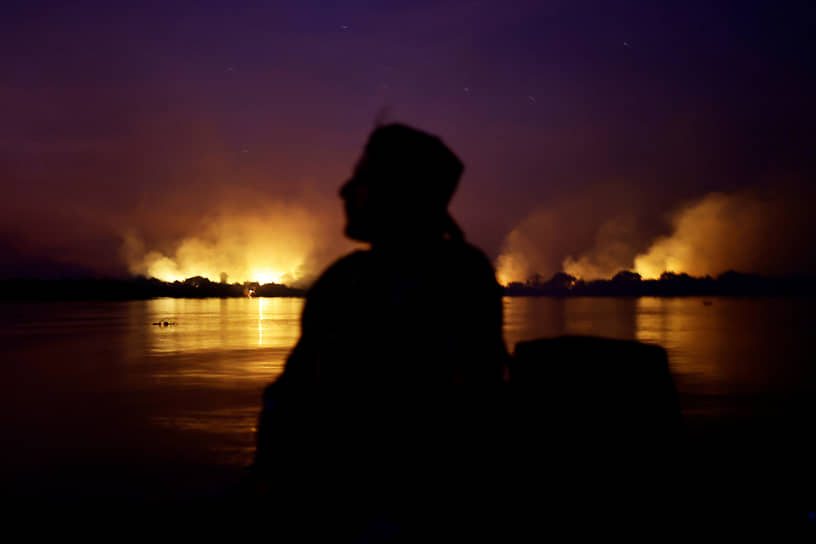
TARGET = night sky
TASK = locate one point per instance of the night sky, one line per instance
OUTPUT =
(174, 138)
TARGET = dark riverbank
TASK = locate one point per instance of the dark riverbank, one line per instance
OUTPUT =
(138, 288)
(624, 284)
(630, 284)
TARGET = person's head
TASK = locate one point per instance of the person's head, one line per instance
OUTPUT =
(401, 187)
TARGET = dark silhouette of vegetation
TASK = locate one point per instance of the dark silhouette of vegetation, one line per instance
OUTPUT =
(630, 284)
(623, 284)
(139, 288)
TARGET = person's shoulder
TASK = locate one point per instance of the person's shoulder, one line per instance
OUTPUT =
(349, 262)
(471, 258)
(472, 255)
(343, 270)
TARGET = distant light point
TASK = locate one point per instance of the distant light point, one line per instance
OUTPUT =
(626, 44)
(467, 89)
(344, 27)
(532, 99)
(229, 68)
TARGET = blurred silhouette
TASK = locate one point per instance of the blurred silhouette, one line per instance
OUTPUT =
(597, 423)
(386, 417)
(400, 416)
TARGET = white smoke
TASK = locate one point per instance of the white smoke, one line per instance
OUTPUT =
(274, 244)
(764, 231)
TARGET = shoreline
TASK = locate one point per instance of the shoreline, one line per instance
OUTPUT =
(669, 286)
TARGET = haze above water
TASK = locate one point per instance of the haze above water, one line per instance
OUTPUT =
(97, 399)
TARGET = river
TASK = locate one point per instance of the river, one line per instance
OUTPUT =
(99, 400)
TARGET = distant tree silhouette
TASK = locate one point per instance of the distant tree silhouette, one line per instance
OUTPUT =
(626, 275)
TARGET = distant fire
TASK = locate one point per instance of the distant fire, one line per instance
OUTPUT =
(713, 235)
(285, 245)
(242, 263)
(749, 231)
(267, 275)
(512, 268)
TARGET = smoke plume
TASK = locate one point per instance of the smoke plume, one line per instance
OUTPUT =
(272, 244)
(749, 231)
(765, 231)
(588, 234)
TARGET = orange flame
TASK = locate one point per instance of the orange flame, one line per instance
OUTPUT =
(285, 245)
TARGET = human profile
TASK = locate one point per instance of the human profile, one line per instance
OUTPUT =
(401, 343)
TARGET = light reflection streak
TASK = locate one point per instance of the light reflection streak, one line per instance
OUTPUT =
(260, 321)
(219, 349)
(220, 325)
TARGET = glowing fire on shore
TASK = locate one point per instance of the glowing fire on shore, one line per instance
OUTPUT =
(194, 258)
(283, 246)
(749, 231)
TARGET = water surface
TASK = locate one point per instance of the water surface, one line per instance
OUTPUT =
(96, 392)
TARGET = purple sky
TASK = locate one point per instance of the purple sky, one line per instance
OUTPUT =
(149, 118)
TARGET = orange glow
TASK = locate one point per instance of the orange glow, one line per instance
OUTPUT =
(715, 234)
(286, 244)
(748, 231)
(511, 267)
(195, 257)
(267, 275)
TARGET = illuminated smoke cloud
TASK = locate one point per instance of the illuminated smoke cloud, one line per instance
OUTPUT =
(612, 252)
(525, 255)
(533, 247)
(751, 231)
(281, 244)
(754, 231)
(590, 235)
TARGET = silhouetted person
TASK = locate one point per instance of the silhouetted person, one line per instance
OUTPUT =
(386, 410)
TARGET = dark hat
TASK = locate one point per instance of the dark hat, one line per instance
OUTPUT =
(417, 164)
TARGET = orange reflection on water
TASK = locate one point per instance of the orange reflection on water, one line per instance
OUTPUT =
(528, 318)
(716, 346)
(223, 352)
(690, 331)
(216, 358)
(235, 338)
(260, 321)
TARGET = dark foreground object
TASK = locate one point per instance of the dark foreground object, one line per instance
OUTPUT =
(595, 430)
(609, 405)
(598, 439)
(586, 428)
(586, 435)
